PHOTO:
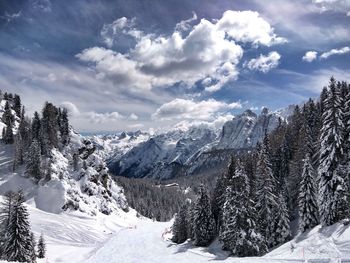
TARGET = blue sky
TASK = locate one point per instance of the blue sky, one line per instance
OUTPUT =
(127, 65)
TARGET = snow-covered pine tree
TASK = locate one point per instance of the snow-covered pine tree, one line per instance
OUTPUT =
(32, 247)
(64, 127)
(41, 247)
(17, 234)
(5, 211)
(218, 198)
(49, 128)
(332, 186)
(307, 202)
(33, 166)
(266, 193)
(36, 126)
(179, 228)
(203, 220)
(281, 232)
(17, 105)
(239, 232)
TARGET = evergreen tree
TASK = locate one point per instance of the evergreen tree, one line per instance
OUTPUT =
(41, 247)
(49, 128)
(36, 127)
(218, 199)
(266, 193)
(33, 167)
(17, 234)
(180, 227)
(64, 127)
(239, 232)
(203, 220)
(32, 247)
(308, 211)
(332, 186)
(281, 232)
(17, 105)
(5, 212)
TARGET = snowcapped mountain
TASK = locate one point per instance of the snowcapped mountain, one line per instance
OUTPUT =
(197, 150)
(247, 129)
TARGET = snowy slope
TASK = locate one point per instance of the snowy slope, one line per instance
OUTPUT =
(148, 243)
(86, 187)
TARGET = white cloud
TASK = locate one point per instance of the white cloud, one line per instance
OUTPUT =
(205, 110)
(133, 117)
(264, 63)
(248, 26)
(102, 118)
(335, 51)
(185, 25)
(310, 56)
(209, 51)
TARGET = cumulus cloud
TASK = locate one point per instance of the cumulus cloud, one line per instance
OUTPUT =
(264, 63)
(310, 56)
(335, 51)
(209, 50)
(100, 118)
(248, 27)
(189, 109)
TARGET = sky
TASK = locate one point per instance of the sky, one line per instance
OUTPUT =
(126, 65)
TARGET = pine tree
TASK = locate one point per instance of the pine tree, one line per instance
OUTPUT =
(218, 199)
(64, 127)
(180, 234)
(203, 220)
(281, 232)
(332, 186)
(33, 167)
(239, 232)
(5, 212)
(32, 247)
(41, 247)
(266, 193)
(36, 127)
(308, 210)
(49, 128)
(17, 234)
(17, 105)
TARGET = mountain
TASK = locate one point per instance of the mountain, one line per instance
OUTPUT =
(197, 150)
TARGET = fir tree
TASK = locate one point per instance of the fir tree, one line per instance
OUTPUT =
(180, 227)
(308, 211)
(17, 105)
(17, 234)
(266, 193)
(218, 199)
(203, 220)
(281, 232)
(239, 232)
(36, 127)
(332, 186)
(41, 247)
(64, 127)
(33, 167)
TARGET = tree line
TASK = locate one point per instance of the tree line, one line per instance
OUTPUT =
(299, 171)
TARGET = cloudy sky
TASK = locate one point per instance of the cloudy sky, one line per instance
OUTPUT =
(152, 64)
